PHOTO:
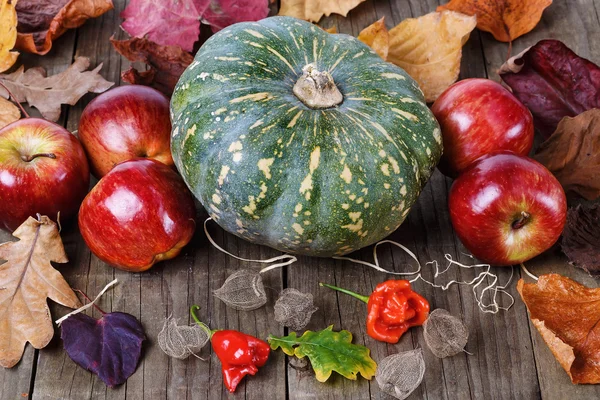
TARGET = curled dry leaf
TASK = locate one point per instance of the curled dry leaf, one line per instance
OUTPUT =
(8, 112)
(581, 237)
(377, 37)
(429, 48)
(313, 10)
(8, 34)
(553, 82)
(42, 21)
(567, 315)
(167, 63)
(505, 19)
(27, 279)
(572, 154)
(47, 93)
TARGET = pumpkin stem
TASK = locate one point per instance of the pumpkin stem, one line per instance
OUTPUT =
(317, 89)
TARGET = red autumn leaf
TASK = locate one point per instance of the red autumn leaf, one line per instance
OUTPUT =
(177, 23)
(42, 21)
(166, 22)
(553, 82)
(567, 315)
(167, 63)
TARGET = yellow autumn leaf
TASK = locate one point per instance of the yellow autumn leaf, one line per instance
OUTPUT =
(313, 10)
(8, 112)
(377, 37)
(8, 34)
(332, 29)
(429, 48)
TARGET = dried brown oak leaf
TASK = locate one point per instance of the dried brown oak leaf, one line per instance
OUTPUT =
(27, 279)
(8, 34)
(42, 21)
(377, 37)
(47, 93)
(572, 154)
(581, 237)
(167, 63)
(313, 10)
(567, 315)
(8, 112)
(505, 19)
(429, 49)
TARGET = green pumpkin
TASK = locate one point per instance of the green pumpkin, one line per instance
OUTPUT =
(301, 140)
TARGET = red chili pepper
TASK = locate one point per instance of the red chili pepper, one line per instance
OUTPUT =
(240, 354)
(392, 308)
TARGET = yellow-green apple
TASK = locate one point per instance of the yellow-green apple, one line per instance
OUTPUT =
(478, 116)
(123, 123)
(43, 170)
(140, 213)
(507, 208)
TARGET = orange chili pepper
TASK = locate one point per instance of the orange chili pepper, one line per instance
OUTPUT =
(393, 308)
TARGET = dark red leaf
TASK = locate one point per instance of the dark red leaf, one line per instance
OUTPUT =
(222, 13)
(581, 237)
(167, 63)
(110, 347)
(553, 82)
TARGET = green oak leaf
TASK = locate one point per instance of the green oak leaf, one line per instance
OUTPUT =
(328, 351)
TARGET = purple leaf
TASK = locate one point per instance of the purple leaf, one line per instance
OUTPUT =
(110, 347)
(553, 82)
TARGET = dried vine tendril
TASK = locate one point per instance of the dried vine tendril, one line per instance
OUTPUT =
(400, 374)
(181, 341)
(445, 335)
(243, 290)
(294, 309)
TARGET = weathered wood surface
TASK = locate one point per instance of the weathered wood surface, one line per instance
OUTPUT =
(509, 359)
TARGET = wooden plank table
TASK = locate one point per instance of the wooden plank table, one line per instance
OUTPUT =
(508, 358)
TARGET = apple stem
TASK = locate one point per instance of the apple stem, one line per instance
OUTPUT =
(522, 220)
(12, 96)
(90, 300)
(30, 158)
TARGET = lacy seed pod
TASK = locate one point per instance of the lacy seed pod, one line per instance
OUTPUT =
(400, 374)
(294, 309)
(445, 335)
(182, 341)
(243, 290)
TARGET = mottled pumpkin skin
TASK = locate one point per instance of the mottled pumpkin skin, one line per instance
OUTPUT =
(271, 170)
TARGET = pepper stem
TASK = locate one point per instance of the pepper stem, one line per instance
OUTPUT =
(364, 299)
(202, 325)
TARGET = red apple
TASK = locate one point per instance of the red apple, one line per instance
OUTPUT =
(124, 123)
(507, 209)
(477, 117)
(43, 170)
(140, 213)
